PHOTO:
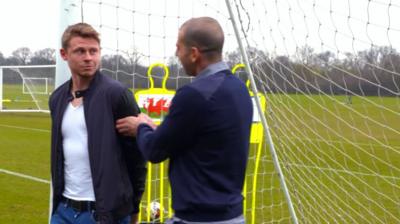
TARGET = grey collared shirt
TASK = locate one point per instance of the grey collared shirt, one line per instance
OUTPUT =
(212, 69)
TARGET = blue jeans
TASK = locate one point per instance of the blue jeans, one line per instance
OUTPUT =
(67, 215)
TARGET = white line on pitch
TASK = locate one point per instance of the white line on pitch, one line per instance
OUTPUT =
(24, 128)
(25, 176)
(338, 170)
(336, 141)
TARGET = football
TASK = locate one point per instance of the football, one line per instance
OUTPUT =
(155, 210)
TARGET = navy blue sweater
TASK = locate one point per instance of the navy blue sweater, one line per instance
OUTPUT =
(206, 137)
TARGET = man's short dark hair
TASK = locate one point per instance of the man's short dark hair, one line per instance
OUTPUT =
(205, 33)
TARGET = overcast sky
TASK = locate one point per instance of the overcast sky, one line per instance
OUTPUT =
(35, 24)
(277, 26)
(27, 23)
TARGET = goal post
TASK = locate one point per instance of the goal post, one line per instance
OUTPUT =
(69, 13)
(35, 85)
(26, 88)
(260, 110)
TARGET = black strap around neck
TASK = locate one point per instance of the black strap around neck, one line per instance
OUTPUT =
(80, 93)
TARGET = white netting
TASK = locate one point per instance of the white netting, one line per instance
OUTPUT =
(329, 71)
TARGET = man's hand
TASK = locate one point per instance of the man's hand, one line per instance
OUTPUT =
(128, 125)
(147, 120)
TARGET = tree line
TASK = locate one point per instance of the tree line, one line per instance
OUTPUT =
(371, 72)
(24, 56)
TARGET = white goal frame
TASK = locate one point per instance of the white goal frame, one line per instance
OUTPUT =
(2, 109)
(25, 88)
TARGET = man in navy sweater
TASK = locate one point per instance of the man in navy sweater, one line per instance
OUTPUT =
(206, 133)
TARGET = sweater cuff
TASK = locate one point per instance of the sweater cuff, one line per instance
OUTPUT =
(141, 126)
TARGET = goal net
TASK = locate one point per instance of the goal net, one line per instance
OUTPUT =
(26, 88)
(37, 85)
(329, 74)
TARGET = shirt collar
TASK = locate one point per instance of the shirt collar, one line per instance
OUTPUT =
(212, 69)
(83, 92)
(78, 93)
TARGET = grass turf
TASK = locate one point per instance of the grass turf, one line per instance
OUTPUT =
(340, 162)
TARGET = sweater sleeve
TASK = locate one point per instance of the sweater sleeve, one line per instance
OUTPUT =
(178, 129)
(136, 165)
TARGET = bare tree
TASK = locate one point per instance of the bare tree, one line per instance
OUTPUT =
(133, 56)
(43, 57)
(2, 59)
(305, 54)
(23, 55)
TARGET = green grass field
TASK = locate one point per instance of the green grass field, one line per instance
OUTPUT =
(341, 163)
(15, 99)
(24, 149)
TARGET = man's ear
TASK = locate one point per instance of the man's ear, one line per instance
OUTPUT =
(194, 54)
(63, 53)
